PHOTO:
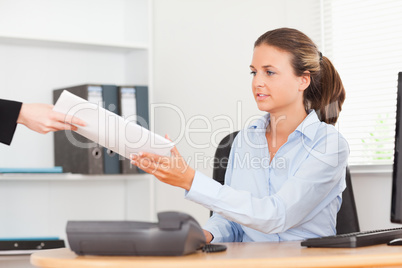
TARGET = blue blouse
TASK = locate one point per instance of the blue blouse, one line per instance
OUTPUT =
(295, 196)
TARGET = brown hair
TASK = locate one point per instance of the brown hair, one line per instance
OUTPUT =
(326, 93)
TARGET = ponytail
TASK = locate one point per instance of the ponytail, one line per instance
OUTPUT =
(326, 93)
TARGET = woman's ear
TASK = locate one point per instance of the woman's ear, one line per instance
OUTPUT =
(305, 81)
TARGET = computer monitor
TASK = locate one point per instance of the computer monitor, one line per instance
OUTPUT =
(396, 203)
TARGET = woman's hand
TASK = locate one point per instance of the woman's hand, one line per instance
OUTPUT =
(42, 119)
(172, 169)
(208, 236)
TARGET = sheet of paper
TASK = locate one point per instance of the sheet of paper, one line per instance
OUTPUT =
(109, 129)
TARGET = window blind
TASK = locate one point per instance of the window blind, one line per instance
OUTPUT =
(363, 39)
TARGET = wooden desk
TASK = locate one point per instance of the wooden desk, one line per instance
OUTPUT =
(284, 254)
(14, 261)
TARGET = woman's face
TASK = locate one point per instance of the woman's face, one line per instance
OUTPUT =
(275, 87)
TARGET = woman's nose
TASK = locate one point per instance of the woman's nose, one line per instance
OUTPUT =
(258, 81)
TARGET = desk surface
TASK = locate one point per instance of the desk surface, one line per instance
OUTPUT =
(284, 254)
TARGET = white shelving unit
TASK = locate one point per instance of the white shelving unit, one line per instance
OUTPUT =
(45, 45)
(41, 204)
(68, 43)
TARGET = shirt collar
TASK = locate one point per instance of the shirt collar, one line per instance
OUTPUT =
(308, 127)
(261, 123)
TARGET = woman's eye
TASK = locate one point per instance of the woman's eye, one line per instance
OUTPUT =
(253, 73)
(270, 73)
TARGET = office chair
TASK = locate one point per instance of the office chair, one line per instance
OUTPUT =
(347, 220)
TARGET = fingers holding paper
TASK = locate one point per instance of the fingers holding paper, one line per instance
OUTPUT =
(172, 170)
(42, 119)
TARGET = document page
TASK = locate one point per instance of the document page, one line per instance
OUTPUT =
(123, 136)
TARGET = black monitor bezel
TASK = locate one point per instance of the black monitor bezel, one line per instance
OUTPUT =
(396, 199)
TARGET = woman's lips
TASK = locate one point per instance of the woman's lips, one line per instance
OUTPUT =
(261, 96)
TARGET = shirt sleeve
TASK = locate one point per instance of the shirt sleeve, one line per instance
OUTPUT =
(9, 112)
(223, 230)
(313, 185)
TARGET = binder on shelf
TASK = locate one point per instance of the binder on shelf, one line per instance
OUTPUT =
(110, 95)
(134, 107)
(142, 102)
(77, 154)
(128, 110)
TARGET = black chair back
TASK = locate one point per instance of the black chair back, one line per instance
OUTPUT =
(347, 220)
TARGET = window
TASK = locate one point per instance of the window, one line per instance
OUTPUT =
(363, 39)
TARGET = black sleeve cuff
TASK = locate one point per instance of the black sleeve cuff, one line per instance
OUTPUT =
(9, 112)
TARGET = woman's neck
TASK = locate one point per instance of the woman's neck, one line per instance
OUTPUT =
(283, 124)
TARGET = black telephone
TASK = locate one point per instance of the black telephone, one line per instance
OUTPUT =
(175, 234)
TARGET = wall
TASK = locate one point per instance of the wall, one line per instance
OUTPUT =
(202, 50)
(372, 188)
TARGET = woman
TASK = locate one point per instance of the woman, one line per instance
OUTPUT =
(294, 192)
(38, 117)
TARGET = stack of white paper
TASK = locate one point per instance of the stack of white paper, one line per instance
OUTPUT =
(109, 129)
